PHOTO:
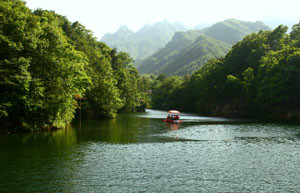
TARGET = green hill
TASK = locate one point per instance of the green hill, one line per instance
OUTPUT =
(180, 41)
(187, 51)
(233, 30)
(125, 36)
(144, 42)
(184, 54)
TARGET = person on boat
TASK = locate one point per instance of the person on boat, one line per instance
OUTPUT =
(168, 117)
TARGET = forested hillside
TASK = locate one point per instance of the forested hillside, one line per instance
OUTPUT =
(259, 78)
(180, 41)
(187, 51)
(144, 42)
(50, 67)
(232, 30)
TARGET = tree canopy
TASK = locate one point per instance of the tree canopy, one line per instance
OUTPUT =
(259, 77)
(51, 68)
(48, 65)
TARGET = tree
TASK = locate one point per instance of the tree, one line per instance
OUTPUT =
(260, 76)
(127, 81)
(165, 92)
(279, 81)
(295, 35)
(44, 69)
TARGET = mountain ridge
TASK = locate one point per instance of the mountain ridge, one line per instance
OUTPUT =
(146, 41)
(186, 52)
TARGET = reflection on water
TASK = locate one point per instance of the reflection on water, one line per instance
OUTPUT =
(173, 126)
(187, 117)
(137, 152)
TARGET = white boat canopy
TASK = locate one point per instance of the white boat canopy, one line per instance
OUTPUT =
(173, 112)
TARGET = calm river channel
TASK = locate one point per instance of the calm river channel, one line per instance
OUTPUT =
(137, 152)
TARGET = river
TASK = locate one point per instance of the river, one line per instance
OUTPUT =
(137, 152)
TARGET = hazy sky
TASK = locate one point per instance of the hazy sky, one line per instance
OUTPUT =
(102, 16)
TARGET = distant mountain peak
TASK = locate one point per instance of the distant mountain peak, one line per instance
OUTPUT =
(189, 50)
(145, 41)
(124, 29)
(231, 20)
(232, 30)
(122, 33)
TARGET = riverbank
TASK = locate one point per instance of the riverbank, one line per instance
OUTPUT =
(232, 111)
(289, 118)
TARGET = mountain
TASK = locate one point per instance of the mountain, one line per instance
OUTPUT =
(202, 25)
(125, 36)
(145, 41)
(233, 30)
(184, 54)
(187, 51)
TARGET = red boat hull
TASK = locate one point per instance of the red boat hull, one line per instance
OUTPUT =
(172, 121)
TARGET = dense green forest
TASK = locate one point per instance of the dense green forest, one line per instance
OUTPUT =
(259, 77)
(51, 67)
(184, 54)
(145, 41)
(187, 51)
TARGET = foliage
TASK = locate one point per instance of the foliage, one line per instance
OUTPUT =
(43, 71)
(279, 85)
(259, 77)
(49, 64)
(189, 50)
(164, 92)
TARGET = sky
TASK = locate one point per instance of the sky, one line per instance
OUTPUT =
(106, 16)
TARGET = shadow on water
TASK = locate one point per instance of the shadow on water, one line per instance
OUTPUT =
(147, 127)
(137, 152)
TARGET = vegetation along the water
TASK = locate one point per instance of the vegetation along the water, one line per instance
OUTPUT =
(259, 77)
(51, 69)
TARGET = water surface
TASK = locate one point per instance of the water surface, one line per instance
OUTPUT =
(137, 152)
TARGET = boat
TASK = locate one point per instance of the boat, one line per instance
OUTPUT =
(172, 121)
(173, 117)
